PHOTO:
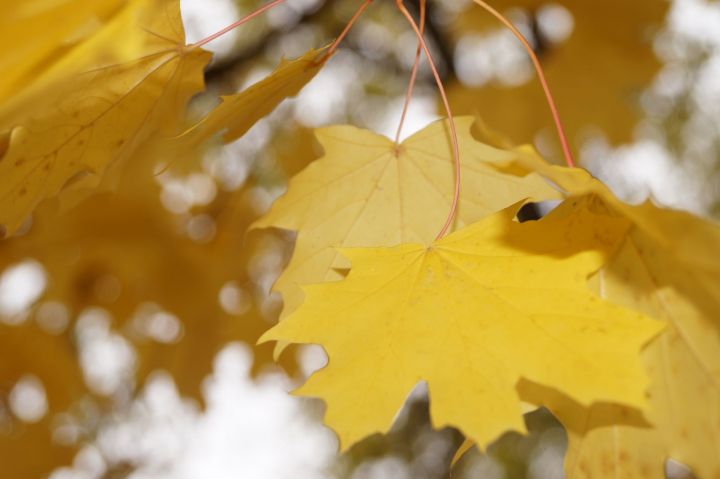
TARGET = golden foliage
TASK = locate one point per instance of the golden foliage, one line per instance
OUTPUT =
(28, 449)
(471, 314)
(123, 251)
(31, 52)
(673, 278)
(554, 313)
(596, 75)
(238, 112)
(367, 191)
(97, 105)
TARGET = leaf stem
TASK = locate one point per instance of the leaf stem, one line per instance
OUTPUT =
(451, 121)
(541, 75)
(236, 24)
(413, 75)
(345, 31)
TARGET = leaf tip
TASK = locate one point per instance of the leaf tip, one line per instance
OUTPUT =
(461, 451)
(266, 337)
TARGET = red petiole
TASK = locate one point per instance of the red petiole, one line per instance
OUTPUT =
(451, 121)
(236, 24)
(422, 46)
(413, 75)
(541, 76)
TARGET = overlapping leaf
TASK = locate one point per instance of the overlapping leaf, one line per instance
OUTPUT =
(86, 112)
(675, 278)
(367, 191)
(97, 105)
(35, 37)
(471, 314)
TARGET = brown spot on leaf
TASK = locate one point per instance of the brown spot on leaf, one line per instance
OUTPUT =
(23, 191)
(3, 231)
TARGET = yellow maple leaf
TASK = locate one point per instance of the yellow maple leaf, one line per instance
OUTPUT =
(367, 191)
(97, 105)
(684, 361)
(632, 448)
(684, 394)
(659, 224)
(683, 364)
(35, 38)
(238, 112)
(666, 267)
(471, 315)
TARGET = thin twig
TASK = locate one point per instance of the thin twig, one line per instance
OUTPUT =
(541, 75)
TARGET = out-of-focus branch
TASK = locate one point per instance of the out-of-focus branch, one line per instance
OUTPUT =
(220, 69)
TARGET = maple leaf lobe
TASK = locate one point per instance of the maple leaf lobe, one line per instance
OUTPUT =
(482, 308)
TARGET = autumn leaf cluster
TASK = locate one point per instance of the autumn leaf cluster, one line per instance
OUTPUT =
(602, 312)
